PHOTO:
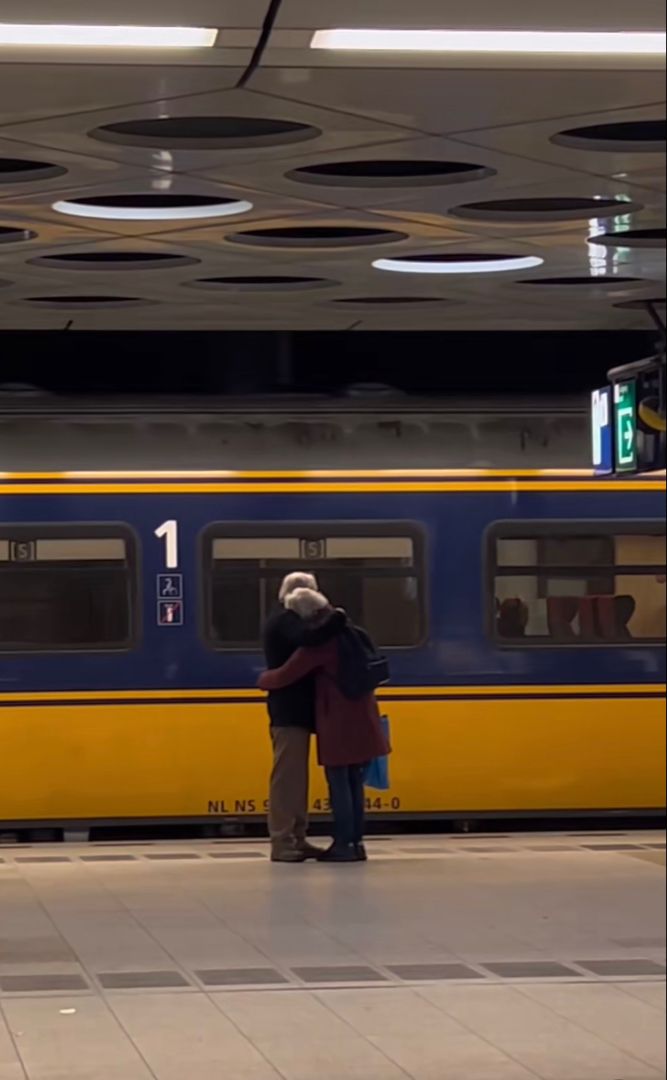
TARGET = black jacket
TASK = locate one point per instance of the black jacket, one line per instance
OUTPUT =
(284, 633)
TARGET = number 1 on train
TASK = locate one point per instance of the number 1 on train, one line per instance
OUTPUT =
(169, 533)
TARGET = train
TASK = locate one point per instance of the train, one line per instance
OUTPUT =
(522, 611)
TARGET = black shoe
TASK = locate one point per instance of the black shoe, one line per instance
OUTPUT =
(362, 854)
(339, 854)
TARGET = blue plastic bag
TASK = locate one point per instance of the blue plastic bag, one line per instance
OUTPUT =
(377, 772)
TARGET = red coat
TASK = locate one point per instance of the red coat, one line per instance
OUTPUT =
(348, 732)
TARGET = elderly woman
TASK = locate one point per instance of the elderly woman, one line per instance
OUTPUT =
(349, 733)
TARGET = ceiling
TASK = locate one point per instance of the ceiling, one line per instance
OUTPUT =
(400, 151)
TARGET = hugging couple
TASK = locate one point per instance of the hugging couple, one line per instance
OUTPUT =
(311, 649)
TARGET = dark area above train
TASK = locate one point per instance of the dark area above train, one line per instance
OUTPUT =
(229, 363)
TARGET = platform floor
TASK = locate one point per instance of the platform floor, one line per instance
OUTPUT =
(444, 958)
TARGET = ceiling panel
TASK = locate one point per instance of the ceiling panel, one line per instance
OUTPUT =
(331, 131)
(534, 139)
(222, 13)
(447, 101)
(33, 91)
(309, 14)
(464, 14)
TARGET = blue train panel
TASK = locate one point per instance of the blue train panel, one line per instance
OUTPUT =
(171, 651)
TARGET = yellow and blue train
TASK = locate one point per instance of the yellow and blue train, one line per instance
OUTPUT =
(523, 613)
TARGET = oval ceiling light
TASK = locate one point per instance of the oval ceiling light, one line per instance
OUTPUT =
(107, 37)
(632, 238)
(114, 260)
(458, 264)
(261, 283)
(531, 42)
(9, 234)
(21, 170)
(152, 207)
(205, 132)
(398, 172)
(564, 208)
(387, 301)
(582, 282)
(86, 301)
(629, 136)
(318, 236)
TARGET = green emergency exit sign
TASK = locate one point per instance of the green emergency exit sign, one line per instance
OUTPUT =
(625, 412)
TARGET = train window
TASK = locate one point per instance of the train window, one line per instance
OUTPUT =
(374, 572)
(578, 583)
(67, 589)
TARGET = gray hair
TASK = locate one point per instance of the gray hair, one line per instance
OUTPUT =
(307, 603)
(298, 580)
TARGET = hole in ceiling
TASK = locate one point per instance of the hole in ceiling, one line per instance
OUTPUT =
(640, 305)
(582, 281)
(265, 282)
(206, 132)
(87, 301)
(18, 170)
(114, 260)
(551, 209)
(635, 136)
(388, 301)
(11, 235)
(458, 263)
(633, 238)
(389, 173)
(318, 236)
(150, 206)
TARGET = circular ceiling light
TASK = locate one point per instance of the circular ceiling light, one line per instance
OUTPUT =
(630, 136)
(318, 236)
(11, 235)
(205, 132)
(86, 301)
(458, 263)
(114, 260)
(261, 283)
(582, 282)
(389, 173)
(152, 207)
(633, 238)
(22, 170)
(548, 209)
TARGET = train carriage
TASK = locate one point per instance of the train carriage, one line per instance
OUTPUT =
(523, 614)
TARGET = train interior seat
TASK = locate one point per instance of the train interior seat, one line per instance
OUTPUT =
(513, 616)
(614, 615)
(589, 625)
(561, 613)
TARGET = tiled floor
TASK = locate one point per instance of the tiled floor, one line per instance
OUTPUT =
(443, 958)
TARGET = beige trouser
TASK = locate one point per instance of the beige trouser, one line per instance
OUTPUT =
(288, 803)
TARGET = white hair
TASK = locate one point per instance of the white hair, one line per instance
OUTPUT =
(307, 603)
(298, 580)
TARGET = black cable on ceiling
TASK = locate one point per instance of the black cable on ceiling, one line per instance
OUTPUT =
(262, 44)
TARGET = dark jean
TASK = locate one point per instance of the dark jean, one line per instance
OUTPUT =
(348, 803)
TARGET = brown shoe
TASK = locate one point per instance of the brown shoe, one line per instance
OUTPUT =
(309, 851)
(288, 855)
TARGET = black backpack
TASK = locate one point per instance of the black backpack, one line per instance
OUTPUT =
(361, 668)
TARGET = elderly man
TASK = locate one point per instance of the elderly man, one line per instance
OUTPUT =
(292, 716)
